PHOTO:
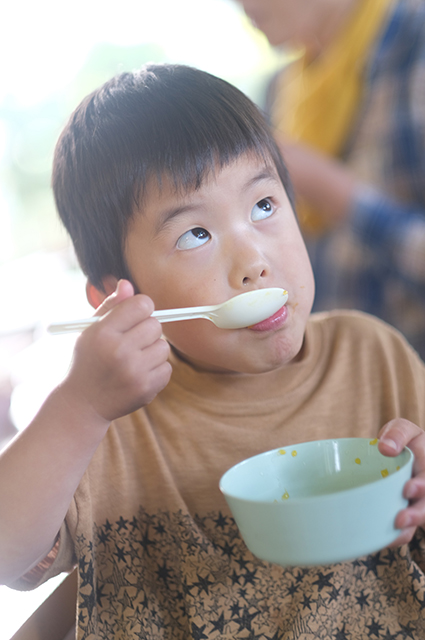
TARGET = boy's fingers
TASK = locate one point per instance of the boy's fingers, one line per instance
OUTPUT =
(130, 313)
(412, 516)
(405, 537)
(141, 335)
(393, 437)
(129, 309)
(123, 291)
(414, 489)
(399, 433)
(158, 358)
(158, 380)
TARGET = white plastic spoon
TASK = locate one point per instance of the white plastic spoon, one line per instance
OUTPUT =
(238, 312)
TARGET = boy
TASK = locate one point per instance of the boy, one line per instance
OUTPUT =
(174, 194)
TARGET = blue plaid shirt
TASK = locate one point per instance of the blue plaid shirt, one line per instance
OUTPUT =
(377, 262)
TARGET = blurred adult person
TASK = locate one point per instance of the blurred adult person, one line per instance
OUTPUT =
(350, 115)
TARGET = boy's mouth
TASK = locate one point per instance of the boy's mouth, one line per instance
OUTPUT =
(274, 322)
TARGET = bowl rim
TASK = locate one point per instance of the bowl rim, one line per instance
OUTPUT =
(326, 496)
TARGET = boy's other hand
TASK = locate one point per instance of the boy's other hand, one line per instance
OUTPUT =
(121, 362)
(393, 437)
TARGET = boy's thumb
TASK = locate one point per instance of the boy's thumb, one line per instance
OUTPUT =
(124, 290)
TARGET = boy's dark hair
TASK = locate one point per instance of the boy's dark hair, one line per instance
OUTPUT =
(163, 120)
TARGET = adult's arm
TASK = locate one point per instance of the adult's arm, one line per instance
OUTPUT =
(395, 231)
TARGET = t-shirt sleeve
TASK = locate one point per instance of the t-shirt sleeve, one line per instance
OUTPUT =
(60, 559)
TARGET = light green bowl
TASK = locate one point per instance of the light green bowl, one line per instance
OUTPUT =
(318, 502)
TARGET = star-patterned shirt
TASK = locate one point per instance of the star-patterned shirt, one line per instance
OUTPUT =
(159, 555)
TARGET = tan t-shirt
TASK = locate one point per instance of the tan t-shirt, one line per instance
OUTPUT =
(159, 554)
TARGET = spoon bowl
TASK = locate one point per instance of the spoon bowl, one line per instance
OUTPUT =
(239, 312)
(247, 308)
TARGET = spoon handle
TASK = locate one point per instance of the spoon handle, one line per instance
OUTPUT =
(164, 315)
(71, 325)
(186, 313)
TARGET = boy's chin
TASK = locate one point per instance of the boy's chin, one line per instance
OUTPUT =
(243, 366)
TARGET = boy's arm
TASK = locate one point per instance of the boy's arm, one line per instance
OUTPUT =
(119, 364)
(393, 437)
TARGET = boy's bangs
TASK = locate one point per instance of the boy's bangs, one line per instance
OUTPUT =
(187, 159)
(196, 128)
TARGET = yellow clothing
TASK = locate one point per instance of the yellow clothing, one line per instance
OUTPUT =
(317, 101)
(158, 551)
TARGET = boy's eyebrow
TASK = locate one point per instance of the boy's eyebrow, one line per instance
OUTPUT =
(266, 174)
(171, 213)
(263, 175)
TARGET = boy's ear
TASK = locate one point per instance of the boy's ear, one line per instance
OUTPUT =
(96, 296)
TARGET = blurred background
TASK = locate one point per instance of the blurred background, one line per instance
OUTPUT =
(52, 56)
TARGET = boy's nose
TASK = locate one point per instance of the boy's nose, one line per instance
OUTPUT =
(249, 266)
(253, 272)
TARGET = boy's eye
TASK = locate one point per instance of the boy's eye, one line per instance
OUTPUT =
(193, 238)
(263, 209)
